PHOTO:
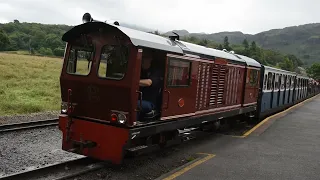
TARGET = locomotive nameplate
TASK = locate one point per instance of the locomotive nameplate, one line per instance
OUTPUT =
(93, 93)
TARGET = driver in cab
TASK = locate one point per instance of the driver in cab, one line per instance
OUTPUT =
(149, 85)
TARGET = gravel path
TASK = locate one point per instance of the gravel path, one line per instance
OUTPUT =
(31, 149)
(29, 117)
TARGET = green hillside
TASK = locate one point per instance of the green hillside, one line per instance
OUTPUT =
(302, 41)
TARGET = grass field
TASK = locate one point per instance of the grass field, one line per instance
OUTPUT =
(29, 84)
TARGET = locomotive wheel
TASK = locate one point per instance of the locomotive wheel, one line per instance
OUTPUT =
(212, 126)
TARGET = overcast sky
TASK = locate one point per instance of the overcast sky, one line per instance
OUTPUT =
(209, 16)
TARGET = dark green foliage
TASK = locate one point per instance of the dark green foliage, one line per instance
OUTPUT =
(287, 64)
(203, 42)
(45, 51)
(226, 44)
(314, 71)
(220, 47)
(33, 37)
(4, 40)
(58, 52)
(246, 47)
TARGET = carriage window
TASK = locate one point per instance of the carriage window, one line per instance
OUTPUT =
(79, 60)
(292, 82)
(265, 82)
(178, 72)
(253, 77)
(282, 81)
(288, 82)
(114, 61)
(270, 78)
(269, 87)
(276, 82)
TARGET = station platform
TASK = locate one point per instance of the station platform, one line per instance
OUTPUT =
(285, 146)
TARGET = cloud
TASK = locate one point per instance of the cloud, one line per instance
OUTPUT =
(248, 16)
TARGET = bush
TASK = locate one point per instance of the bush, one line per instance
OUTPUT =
(45, 51)
(58, 52)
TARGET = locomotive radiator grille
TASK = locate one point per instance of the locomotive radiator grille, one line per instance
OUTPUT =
(233, 77)
(217, 85)
(203, 86)
(198, 87)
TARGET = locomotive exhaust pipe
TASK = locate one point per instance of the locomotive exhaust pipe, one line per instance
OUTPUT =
(88, 18)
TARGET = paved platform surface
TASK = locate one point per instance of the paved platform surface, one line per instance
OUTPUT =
(288, 149)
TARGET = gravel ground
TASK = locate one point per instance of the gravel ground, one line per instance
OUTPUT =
(146, 167)
(29, 149)
(29, 117)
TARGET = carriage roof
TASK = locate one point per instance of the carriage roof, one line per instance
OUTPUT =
(144, 39)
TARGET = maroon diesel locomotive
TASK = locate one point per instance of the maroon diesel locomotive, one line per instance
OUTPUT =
(122, 88)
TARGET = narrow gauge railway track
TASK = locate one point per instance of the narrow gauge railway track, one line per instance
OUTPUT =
(28, 125)
(59, 171)
(77, 167)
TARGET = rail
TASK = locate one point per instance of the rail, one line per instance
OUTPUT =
(28, 125)
(61, 170)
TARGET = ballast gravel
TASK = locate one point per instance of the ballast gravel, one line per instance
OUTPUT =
(30, 149)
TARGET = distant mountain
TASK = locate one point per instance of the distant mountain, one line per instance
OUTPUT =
(302, 41)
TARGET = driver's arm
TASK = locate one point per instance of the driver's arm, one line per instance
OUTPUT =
(145, 82)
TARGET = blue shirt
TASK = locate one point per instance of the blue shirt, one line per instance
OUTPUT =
(151, 93)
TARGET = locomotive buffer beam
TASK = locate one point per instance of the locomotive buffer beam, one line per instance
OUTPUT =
(78, 146)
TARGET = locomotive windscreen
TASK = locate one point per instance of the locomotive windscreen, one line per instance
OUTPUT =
(113, 61)
(79, 59)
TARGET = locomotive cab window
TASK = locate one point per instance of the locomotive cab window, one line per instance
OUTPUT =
(113, 61)
(79, 59)
(253, 79)
(178, 72)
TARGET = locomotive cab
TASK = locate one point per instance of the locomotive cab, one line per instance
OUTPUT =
(101, 73)
(100, 91)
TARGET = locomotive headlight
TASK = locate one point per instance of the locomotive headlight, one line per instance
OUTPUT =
(64, 107)
(122, 118)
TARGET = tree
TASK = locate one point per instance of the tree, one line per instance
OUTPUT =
(314, 71)
(253, 47)
(203, 42)
(4, 40)
(58, 52)
(246, 47)
(226, 44)
(45, 51)
(156, 32)
(220, 47)
(287, 64)
(16, 21)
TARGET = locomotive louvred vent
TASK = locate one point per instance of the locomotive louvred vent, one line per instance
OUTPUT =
(198, 86)
(217, 85)
(203, 86)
